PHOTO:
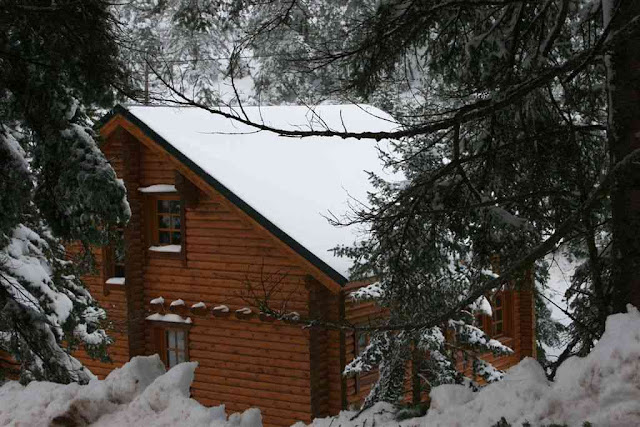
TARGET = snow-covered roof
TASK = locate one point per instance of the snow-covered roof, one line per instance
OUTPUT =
(295, 183)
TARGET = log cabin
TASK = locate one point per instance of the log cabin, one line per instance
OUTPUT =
(226, 219)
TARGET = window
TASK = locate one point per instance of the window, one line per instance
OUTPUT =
(176, 346)
(113, 259)
(119, 255)
(498, 325)
(168, 214)
(498, 317)
(171, 342)
(164, 218)
(360, 344)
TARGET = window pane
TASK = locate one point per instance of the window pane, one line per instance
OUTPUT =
(175, 206)
(175, 222)
(171, 358)
(498, 301)
(176, 238)
(118, 270)
(171, 339)
(181, 357)
(362, 343)
(498, 328)
(180, 340)
(163, 206)
(164, 237)
(499, 315)
(164, 221)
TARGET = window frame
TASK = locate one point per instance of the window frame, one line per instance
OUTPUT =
(153, 229)
(488, 322)
(502, 309)
(160, 340)
(364, 378)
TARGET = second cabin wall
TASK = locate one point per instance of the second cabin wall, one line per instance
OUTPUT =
(242, 363)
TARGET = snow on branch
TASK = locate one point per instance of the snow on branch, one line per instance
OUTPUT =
(373, 291)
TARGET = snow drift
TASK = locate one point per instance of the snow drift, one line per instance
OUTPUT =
(140, 393)
(602, 388)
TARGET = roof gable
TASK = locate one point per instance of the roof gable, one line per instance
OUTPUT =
(288, 185)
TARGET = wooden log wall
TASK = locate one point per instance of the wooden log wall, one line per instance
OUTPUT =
(243, 363)
(135, 244)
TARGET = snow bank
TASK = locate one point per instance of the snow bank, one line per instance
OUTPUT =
(602, 388)
(140, 393)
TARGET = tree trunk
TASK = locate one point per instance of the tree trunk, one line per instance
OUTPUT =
(624, 137)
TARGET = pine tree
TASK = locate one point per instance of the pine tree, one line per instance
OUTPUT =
(58, 61)
(183, 44)
(507, 146)
(504, 147)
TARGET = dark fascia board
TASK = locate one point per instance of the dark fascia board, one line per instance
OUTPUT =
(232, 197)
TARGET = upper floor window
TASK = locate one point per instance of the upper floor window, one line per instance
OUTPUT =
(164, 218)
(498, 316)
(168, 220)
(113, 259)
(119, 255)
(498, 325)
(361, 342)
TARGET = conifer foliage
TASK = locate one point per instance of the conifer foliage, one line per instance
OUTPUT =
(58, 59)
(506, 145)
(516, 138)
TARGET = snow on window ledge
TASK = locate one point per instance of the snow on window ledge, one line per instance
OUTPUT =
(158, 188)
(172, 318)
(115, 281)
(166, 248)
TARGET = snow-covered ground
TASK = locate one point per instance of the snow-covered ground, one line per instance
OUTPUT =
(139, 394)
(602, 388)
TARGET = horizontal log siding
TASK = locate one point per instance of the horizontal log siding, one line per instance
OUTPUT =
(242, 363)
